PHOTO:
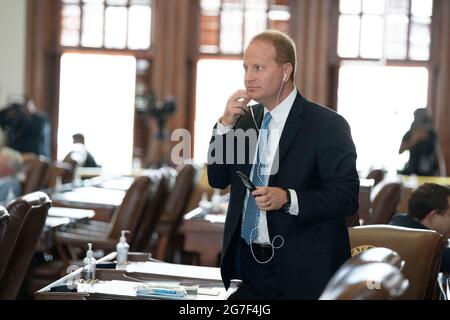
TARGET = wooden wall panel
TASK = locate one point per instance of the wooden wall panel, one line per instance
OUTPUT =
(42, 60)
(440, 77)
(176, 43)
(313, 32)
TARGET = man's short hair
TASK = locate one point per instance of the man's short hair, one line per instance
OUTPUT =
(78, 137)
(426, 198)
(284, 47)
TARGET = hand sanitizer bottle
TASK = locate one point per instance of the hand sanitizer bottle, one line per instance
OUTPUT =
(58, 184)
(122, 251)
(88, 272)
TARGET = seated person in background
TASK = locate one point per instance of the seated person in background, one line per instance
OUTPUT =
(80, 153)
(10, 167)
(428, 208)
(421, 141)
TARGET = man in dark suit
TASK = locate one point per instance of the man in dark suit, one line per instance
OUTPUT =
(428, 208)
(287, 238)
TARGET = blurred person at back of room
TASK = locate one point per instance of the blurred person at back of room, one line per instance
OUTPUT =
(11, 164)
(27, 129)
(421, 141)
(80, 153)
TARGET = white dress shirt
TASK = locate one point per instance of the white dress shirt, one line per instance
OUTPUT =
(276, 126)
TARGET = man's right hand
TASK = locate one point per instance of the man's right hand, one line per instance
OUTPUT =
(236, 107)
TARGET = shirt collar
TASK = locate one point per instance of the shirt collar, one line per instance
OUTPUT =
(281, 112)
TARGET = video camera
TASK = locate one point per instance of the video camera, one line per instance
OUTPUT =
(160, 110)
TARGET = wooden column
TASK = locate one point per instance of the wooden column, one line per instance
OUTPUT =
(440, 76)
(42, 60)
(176, 30)
(313, 28)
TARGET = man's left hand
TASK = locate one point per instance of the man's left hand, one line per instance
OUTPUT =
(269, 198)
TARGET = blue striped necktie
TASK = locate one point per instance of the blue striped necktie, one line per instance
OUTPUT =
(260, 177)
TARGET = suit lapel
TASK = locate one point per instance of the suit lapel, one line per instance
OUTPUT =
(246, 124)
(290, 129)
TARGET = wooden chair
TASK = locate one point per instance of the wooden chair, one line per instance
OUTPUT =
(73, 242)
(369, 281)
(35, 206)
(58, 169)
(35, 169)
(385, 203)
(377, 175)
(4, 219)
(421, 249)
(174, 210)
(153, 209)
(18, 214)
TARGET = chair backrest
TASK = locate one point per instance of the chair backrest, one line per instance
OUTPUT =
(379, 254)
(127, 215)
(377, 175)
(151, 214)
(35, 169)
(37, 205)
(74, 165)
(368, 281)
(352, 221)
(174, 209)
(344, 286)
(4, 219)
(64, 170)
(18, 214)
(385, 203)
(421, 250)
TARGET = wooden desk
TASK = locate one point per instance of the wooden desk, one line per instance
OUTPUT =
(122, 183)
(89, 197)
(71, 213)
(102, 201)
(121, 284)
(59, 218)
(87, 173)
(204, 236)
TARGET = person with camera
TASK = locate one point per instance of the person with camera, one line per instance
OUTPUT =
(288, 237)
(421, 141)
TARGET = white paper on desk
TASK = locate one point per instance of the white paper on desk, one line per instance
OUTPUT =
(71, 213)
(114, 287)
(177, 270)
(216, 218)
(53, 222)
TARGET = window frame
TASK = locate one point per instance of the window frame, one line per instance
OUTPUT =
(407, 60)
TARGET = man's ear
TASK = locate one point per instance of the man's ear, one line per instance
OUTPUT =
(287, 69)
(431, 216)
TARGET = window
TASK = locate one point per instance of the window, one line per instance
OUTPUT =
(385, 29)
(226, 27)
(112, 24)
(383, 58)
(379, 102)
(103, 27)
(104, 113)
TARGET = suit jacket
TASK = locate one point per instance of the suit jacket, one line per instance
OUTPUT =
(317, 159)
